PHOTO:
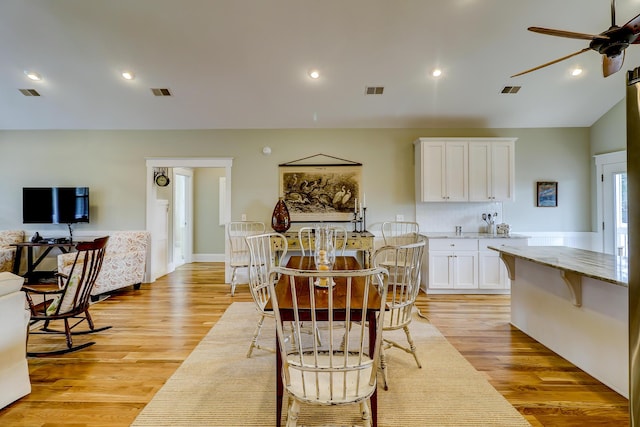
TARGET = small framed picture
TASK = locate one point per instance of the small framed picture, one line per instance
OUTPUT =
(547, 194)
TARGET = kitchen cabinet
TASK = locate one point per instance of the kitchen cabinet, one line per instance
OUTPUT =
(491, 170)
(464, 169)
(453, 264)
(467, 265)
(441, 171)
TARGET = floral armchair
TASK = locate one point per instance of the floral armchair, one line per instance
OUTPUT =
(124, 262)
(8, 252)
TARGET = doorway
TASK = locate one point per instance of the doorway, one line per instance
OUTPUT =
(612, 202)
(152, 196)
(182, 216)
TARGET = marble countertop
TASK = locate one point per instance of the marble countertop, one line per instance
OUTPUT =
(597, 265)
(453, 235)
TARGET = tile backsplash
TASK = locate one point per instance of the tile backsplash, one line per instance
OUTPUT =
(446, 216)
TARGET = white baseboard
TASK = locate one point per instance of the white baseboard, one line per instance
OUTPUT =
(207, 258)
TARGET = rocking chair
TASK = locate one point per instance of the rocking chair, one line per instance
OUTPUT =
(70, 301)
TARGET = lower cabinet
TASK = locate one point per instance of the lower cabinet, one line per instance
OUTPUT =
(453, 269)
(466, 264)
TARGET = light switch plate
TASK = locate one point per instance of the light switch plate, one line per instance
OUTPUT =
(243, 217)
(399, 217)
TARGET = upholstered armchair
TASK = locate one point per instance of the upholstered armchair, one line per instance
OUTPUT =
(124, 262)
(14, 320)
(8, 252)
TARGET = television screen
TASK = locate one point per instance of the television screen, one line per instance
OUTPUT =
(57, 205)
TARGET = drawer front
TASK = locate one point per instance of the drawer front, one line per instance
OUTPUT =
(453, 244)
(484, 243)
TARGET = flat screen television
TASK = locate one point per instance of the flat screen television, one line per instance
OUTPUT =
(55, 205)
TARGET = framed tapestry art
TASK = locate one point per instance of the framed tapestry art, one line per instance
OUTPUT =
(316, 193)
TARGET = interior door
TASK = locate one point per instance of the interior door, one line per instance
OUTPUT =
(182, 216)
(614, 194)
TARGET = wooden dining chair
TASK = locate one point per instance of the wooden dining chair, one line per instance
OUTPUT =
(238, 250)
(343, 369)
(306, 238)
(404, 263)
(261, 262)
(69, 301)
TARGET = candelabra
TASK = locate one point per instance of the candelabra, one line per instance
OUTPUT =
(360, 221)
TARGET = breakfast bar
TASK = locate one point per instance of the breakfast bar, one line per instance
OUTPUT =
(575, 302)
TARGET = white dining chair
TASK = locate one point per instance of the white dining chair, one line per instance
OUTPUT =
(404, 285)
(400, 232)
(341, 371)
(261, 262)
(238, 250)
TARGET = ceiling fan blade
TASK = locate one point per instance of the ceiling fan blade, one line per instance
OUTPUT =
(553, 62)
(611, 65)
(634, 26)
(567, 34)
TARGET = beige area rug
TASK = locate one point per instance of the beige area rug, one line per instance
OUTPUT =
(218, 386)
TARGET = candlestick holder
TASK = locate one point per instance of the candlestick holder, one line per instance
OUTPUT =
(359, 221)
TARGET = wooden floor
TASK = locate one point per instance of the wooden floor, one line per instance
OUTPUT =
(155, 328)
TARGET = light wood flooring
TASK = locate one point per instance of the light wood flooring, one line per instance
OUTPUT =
(155, 328)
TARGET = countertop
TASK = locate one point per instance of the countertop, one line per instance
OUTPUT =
(597, 265)
(453, 235)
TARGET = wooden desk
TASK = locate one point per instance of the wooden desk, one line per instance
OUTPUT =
(361, 242)
(283, 292)
(31, 263)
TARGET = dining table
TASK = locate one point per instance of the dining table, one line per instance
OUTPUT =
(284, 296)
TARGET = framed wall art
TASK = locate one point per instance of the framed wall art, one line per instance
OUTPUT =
(321, 192)
(547, 194)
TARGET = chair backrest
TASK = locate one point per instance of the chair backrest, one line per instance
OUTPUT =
(261, 262)
(306, 238)
(77, 285)
(338, 368)
(404, 263)
(400, 232)
(237, 231)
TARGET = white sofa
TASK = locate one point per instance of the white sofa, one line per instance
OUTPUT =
(8, 252)
(14, 323)
(124, 264)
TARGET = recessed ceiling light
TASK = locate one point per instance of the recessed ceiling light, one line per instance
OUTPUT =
(33, 75)
(437, 72)
(128, 75)
(576, 71)
(314, 74)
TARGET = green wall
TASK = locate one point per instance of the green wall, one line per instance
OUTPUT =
(112, 163)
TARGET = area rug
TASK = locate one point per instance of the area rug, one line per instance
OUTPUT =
(218, 386)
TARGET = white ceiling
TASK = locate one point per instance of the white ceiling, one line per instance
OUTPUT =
(243, 64)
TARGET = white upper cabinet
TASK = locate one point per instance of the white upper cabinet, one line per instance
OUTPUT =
(441, 170)
(491, 170)
(464, 169)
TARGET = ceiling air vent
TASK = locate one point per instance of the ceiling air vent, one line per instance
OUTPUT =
(374, 90)
(511, 89)
(161, 92)
(29, 92)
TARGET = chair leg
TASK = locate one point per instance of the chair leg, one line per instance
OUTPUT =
(67, 332)
(292, 414)
(412, 346)
(256, 334)
(366, 413)
(383, 368)
(233, 281)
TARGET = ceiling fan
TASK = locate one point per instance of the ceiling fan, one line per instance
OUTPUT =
(610, 43)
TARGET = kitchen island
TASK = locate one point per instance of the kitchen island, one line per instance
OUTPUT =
(575, 302)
